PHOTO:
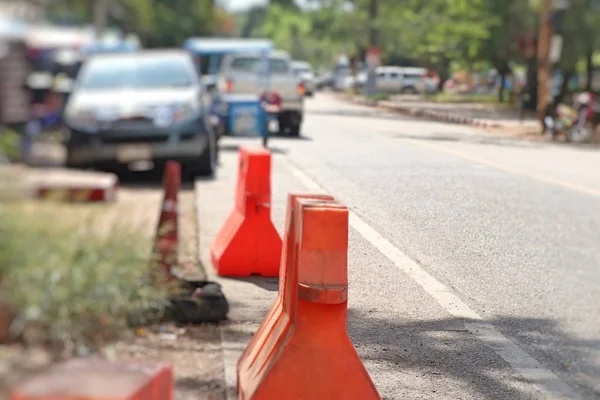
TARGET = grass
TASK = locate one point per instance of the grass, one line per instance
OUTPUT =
(74, 285)
(10, 144)
(465, 98)
(379, 97)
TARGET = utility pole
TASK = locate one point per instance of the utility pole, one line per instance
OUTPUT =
(544, 67)
(550, 47)
(373, 44)
(100, 17)
(373, 31)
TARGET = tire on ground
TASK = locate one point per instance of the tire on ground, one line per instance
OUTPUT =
(207, 163)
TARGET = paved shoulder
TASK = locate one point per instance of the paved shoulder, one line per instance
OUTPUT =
(411, 345)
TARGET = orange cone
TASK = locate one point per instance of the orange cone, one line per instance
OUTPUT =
(248, 243)
(302, 350)
(165, 244)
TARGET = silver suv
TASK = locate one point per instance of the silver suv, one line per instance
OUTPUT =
(139, 107)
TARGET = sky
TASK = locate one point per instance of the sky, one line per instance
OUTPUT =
(239, 5)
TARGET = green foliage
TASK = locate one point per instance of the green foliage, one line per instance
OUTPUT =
(159, 23)
(67, 280)
(379, 97)
(580, 33)
(287, 29)
(447, 29)
(464, 98)
(9, 144)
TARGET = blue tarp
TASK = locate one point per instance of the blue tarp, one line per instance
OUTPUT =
(208, 46)
(99, 48)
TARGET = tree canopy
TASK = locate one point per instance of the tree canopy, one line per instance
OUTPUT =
(432, 33)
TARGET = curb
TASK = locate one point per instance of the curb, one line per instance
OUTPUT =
(422, 113)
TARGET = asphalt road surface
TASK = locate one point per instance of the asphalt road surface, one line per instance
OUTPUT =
(480, 229)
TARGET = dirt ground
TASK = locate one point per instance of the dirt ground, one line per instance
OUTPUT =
(193, 351)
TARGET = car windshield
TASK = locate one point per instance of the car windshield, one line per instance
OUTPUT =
(136, 73)
(253, 64)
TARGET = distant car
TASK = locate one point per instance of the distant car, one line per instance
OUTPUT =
(303, 70)
(326, 80)
(405, 80)
(139, 107)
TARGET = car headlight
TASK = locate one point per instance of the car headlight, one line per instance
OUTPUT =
(81, 118)
(185, 111)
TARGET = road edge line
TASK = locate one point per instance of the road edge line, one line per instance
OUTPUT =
(545, 381)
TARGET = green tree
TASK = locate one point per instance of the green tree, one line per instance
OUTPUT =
(159, 23)
(287, 28)
(438, 32)
(514, 19)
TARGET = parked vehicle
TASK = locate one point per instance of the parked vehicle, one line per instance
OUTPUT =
(244, 77)
(325, 81)
(405, 80)
(134, 109)
(304, 71)
(209, 53)
(577, 122)
(342, 77)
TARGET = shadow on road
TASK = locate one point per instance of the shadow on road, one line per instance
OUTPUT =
(443, 349)
(235, 147)
(503, 141)
(268, 284)
(151, 179)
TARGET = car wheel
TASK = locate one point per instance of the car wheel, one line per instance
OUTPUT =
(207, 164)
(69, 156)
(408, 90)
(294, 130)
(283, 121)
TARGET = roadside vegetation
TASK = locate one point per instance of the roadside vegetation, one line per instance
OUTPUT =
(464, 98)
(379, 97)
(9, 144)
(72, 286)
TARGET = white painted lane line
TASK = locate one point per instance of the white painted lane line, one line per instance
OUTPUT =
(551, 386)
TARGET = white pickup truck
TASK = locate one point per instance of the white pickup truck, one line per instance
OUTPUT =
(246, 76)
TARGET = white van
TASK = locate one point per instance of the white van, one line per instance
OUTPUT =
(407, 80)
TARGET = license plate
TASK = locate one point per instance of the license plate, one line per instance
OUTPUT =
(131, 153)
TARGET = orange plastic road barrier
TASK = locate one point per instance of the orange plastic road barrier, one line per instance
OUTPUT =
(101, 191)
(94, 379)
(302, 349)
(278, 316)
(248, 243)
(165, 243)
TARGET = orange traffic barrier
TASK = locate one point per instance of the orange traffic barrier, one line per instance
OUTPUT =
(104, 190)
(248, 243)
(287, 293)
(95, 379)
(165, 243)
(302, 349)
